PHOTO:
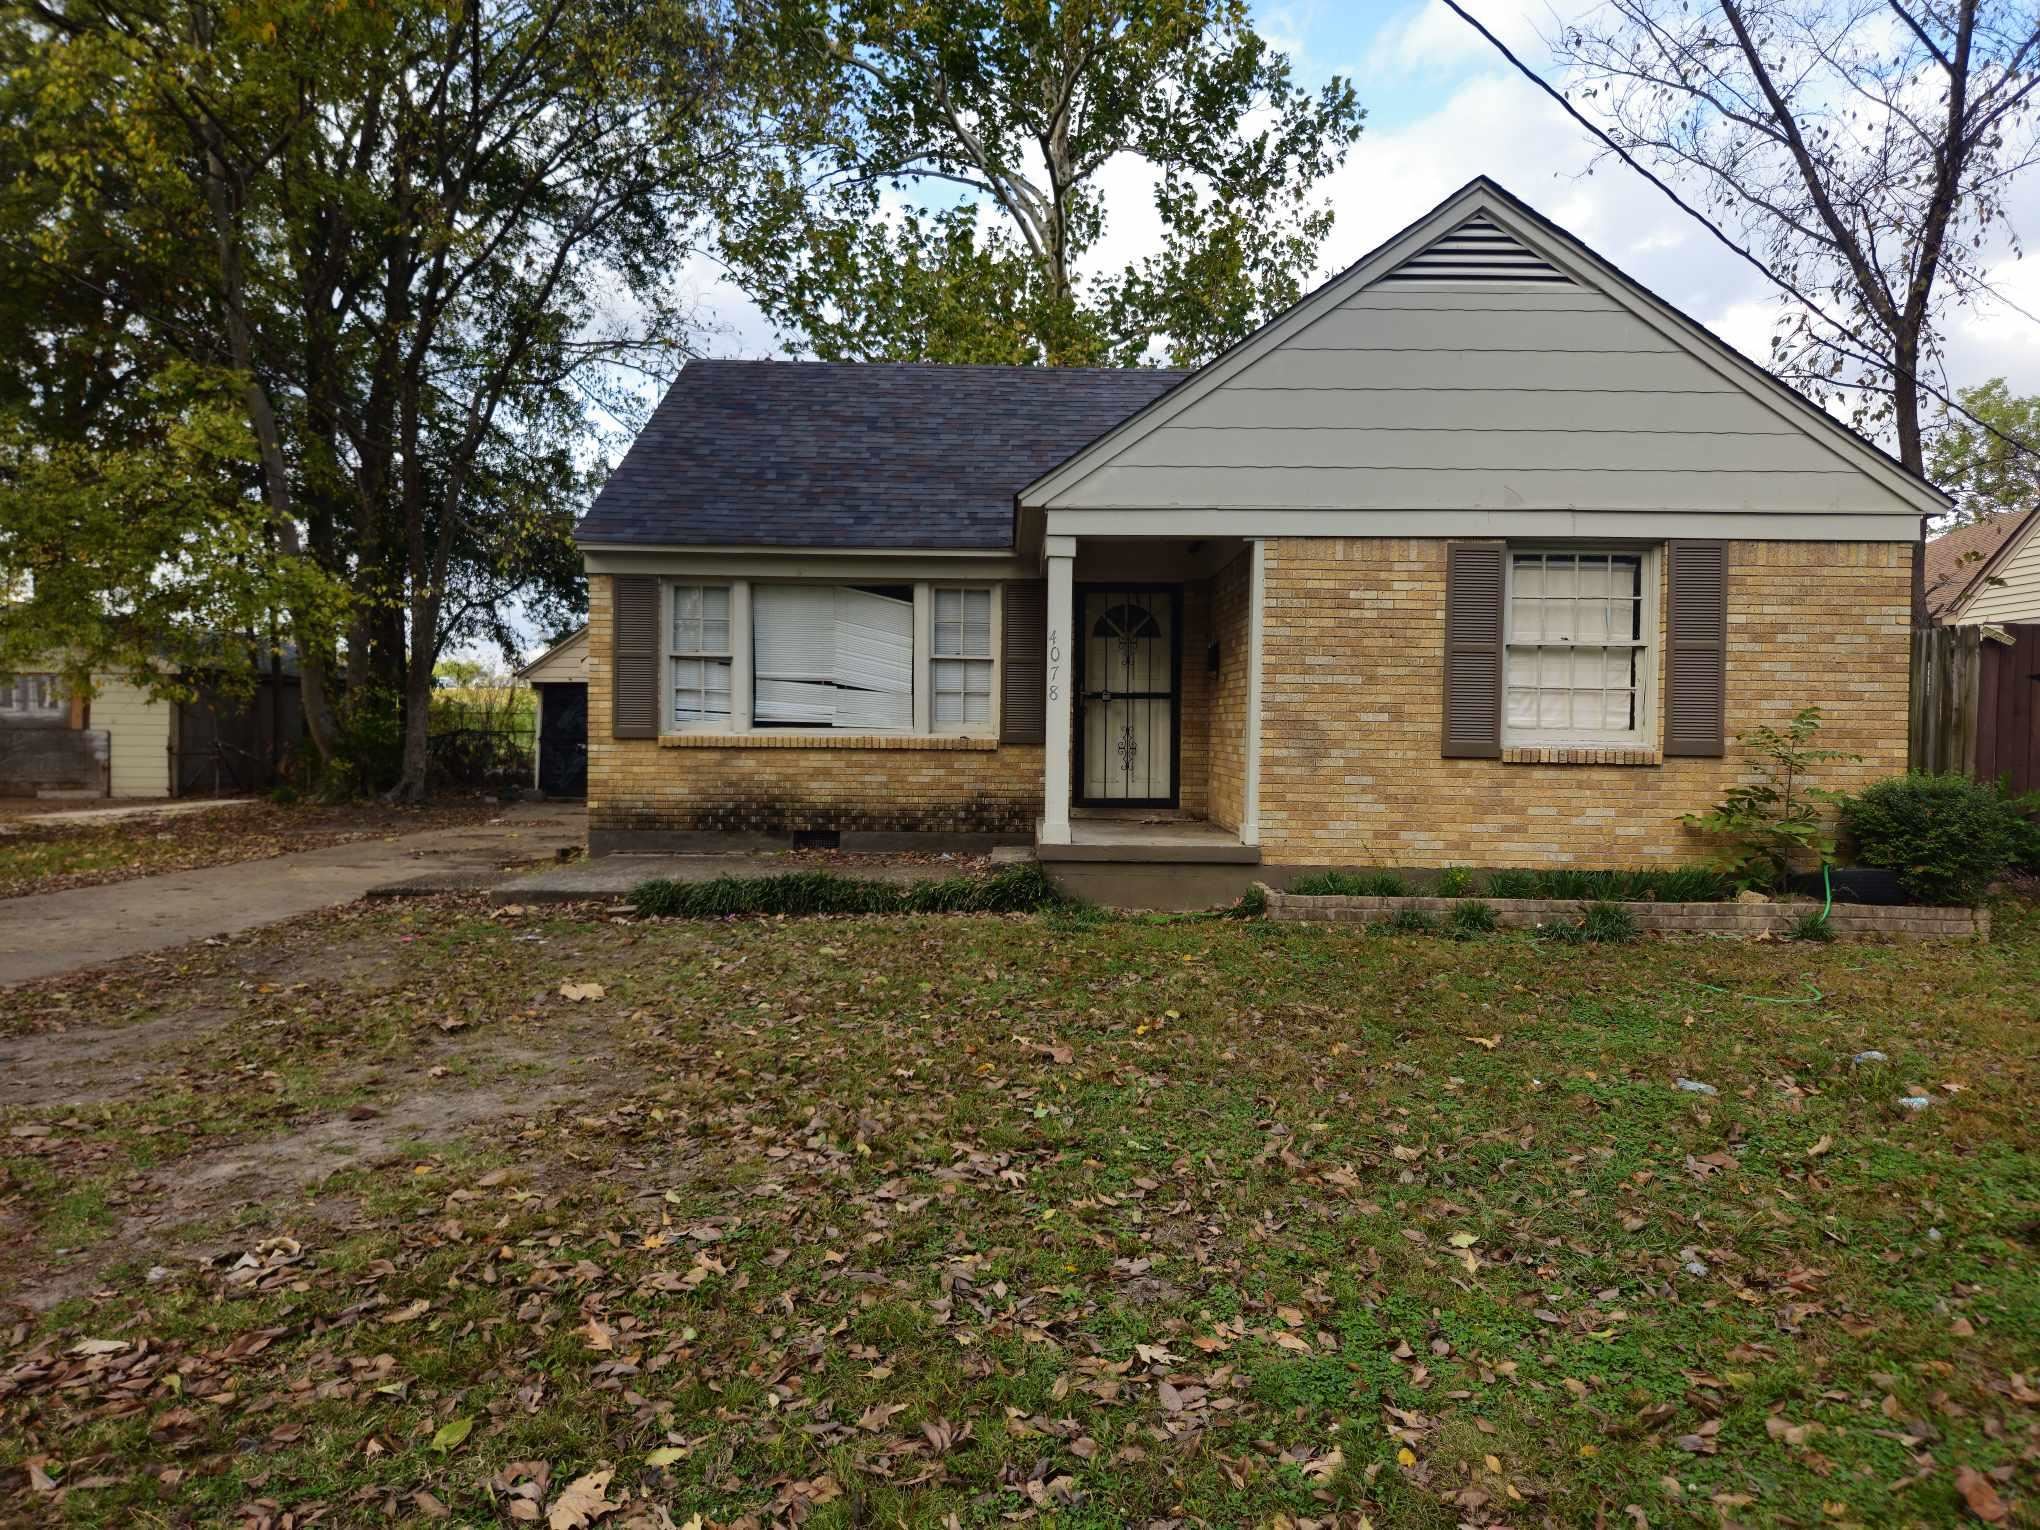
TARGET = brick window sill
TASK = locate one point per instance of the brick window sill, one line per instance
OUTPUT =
(777, 740)
(1576, 754)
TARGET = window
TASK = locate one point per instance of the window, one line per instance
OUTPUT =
(960, 671)
(31, 695)
(833, 656)
(1578, 660)
(698, 661)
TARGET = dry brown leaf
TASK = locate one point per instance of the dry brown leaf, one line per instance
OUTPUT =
(584, 1501)
(1981, 1496)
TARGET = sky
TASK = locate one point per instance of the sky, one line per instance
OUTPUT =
(1443, 107)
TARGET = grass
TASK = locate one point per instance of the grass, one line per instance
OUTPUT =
(1350, 884)
(876, 1220)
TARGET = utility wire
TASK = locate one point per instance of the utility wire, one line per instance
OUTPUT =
(1707, 223)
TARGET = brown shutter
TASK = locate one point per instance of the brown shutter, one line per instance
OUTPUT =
(1696, 659)
(1023, 699)
(634, 655)
(1474, 576)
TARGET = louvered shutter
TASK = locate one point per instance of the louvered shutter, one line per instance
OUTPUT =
(1696, 640)
(1023, 703)
(1474, 576)
(634, 656)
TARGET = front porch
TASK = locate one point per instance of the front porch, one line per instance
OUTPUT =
(1152, 701)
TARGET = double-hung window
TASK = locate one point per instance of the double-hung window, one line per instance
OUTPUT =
(960, 669)
(1578, 665)
(699, 655)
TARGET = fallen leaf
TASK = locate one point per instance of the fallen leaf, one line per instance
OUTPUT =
(583, 1502)
(451, 1433)
(574, 993)
(1980, 1495)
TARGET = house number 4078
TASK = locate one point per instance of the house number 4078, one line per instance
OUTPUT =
(1054, 665)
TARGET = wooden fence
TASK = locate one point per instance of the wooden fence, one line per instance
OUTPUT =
(1976, 702)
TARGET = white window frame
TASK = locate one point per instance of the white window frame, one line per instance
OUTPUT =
(925, 657)
(1644, 734)
(671, 655)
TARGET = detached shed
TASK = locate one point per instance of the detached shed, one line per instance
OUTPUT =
(560, 678)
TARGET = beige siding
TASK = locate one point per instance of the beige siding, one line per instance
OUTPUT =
(2017, 599)
(568, 662)
(138, 732)
(1457, 398)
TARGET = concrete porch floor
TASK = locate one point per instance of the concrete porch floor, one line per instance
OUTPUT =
(1162, 839)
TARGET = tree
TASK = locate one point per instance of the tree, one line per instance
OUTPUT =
(1983, 468)
(1865, 148)
(1020, 106)
(424, 241)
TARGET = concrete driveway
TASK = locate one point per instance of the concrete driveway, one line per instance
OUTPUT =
(47, 933)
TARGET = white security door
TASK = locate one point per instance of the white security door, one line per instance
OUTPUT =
(1128, 740)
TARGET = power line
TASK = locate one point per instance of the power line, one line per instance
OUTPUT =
(1707, 223)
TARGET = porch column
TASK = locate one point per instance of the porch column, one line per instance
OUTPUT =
(1061, 554)
(1250, 788)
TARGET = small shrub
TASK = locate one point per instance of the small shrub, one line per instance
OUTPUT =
(1411, 921)
(1251, 904)
(1573, 886)
(1775, 820)
(1512, 884)
(1349, 884)
(1945, 836)
(1607, 922)
(1455, 882)
(1011, 889)
(1813, 926)
(1688, 884)
(1470, 918)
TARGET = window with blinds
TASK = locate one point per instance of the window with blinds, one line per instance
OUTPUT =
(1577, 659)
(698, 656)
(832, 656)
(960, 669)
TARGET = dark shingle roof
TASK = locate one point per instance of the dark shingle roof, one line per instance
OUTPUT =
(819, 454)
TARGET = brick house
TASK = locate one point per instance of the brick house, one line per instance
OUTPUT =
(1481, 554)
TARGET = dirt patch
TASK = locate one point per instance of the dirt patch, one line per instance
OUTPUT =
(174, 1210)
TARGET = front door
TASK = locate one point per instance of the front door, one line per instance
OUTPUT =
(1129, 656)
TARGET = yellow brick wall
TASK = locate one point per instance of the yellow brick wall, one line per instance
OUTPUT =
(904, 785)
(1194, 704)
(1352, 688)
(1231, 598)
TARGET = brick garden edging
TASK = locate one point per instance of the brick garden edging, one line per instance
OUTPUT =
(1850, 921)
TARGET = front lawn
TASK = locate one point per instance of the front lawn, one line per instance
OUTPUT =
(433, 1211)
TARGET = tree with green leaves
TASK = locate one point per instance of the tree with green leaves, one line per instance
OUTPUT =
(420, 244)
(1988, 471)
(943, 185)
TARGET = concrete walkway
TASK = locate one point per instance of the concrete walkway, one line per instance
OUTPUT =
(616, 876)
(48, 933)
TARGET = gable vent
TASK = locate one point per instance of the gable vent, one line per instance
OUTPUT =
(1479, 250)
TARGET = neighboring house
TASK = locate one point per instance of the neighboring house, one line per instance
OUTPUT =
(1480, 554)
(1987, 571)
(122, 742)
(560, 678)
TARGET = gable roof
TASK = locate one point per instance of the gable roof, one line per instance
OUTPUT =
(842, 455)
(1959, 561)
(1482, 213)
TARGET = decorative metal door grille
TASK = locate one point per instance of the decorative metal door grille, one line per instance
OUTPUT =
(1127, 743)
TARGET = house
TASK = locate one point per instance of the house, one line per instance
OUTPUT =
(1987, 571)
(559, 676)
(123, 741)
(1481, 554)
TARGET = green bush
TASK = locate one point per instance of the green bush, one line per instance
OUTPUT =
(1596, 922)
(1455, 882)
(1411, 921)
(1472, 917)
(1010, 890)
(1813, 926)
(1251, 904)
(1349, 884)
(1945, 836)
(1512, 884)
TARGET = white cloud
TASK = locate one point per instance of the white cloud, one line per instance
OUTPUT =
(1430, 38)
